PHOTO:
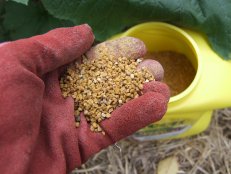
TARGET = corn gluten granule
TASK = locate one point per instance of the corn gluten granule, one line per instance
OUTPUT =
(98, 86)
(178, 70)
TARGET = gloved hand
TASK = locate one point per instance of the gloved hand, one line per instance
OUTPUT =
(38, 133)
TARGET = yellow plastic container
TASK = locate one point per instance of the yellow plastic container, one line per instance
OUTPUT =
(190, 111)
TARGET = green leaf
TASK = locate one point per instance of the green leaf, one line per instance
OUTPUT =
(2, 37)
(1, 34)
(24, 21)
(109, 17)
(21, 1)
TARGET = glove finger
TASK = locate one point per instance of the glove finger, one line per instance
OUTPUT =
(153, 67)
(124, 121)
(128, 47)
(44, 53)
(159, 87)
(135, 115)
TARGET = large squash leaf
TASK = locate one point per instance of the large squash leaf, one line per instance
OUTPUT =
(22, 21)
(108, 17)
(2, 33)
(21, 1)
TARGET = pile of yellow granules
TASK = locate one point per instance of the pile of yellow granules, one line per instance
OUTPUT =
(98, 86)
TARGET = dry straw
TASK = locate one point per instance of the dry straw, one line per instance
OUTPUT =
(206, 153)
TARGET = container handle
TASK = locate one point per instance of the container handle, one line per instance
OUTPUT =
(161, 136)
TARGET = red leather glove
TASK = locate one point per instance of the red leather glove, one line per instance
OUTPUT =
(38, 133)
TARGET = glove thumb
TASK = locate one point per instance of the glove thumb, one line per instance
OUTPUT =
(44, 53)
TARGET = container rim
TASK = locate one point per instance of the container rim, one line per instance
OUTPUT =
(189, 41)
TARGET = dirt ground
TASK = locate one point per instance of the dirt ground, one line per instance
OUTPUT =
(206, 153)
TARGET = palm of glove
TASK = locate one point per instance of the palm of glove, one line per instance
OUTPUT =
(44, 137)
